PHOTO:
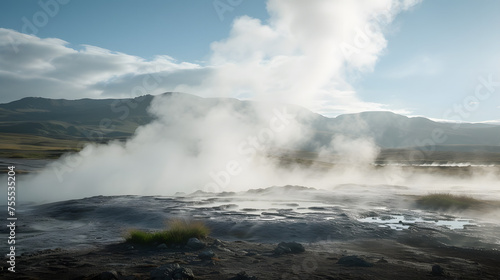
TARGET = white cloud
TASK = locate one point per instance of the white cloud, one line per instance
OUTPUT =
(303, 55)
(193, 144)
(33, 66)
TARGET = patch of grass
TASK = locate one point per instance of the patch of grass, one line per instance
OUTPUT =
(140, 237)
(178, 232)
(447, 201)
(36, 147)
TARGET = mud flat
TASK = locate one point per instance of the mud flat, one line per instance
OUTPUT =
(344, 236)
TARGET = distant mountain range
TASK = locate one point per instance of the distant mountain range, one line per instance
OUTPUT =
(74, 119)
(57, 123)
(390, 130)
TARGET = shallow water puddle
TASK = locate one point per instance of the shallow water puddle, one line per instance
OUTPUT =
(397, 222)
(400, 222)
(455, 224)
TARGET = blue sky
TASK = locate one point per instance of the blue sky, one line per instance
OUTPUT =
(436, 56)
(181, 29)
(430, 58)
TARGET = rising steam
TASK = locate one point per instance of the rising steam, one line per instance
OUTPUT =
(304, 55)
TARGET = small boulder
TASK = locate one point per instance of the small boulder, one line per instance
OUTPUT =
(162, 246)
(288, 248)
(282, 250)
(108, 275)
(172, 272)
(218, 242)
(206, 255)
(353, 261)
(183, 274)
(195, 244)
(164, 272)
(437, 270)
(243, 276)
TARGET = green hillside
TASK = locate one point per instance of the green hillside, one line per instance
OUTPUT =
(36, 127)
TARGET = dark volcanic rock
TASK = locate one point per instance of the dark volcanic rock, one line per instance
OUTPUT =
(353, 261)
(172, 272)
(195, 244)
(162, 246)
(206, 255)
(289, 248)
(107, 275)
(243, 276)
(437, 270)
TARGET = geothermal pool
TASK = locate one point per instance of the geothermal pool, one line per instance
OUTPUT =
(261, 215)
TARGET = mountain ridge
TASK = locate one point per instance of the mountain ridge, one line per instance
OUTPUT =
(102, 120)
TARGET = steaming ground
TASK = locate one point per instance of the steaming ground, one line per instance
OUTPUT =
(218, 145)
(360, 218)
(385, 230)
(204, 158)
(301, 55)
(215, 160)
(266, 215)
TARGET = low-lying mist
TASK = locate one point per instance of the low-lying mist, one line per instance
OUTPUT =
(221, 145)
(300, 55)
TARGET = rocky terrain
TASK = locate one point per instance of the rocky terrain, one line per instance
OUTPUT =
(289, 232)
(414, 256)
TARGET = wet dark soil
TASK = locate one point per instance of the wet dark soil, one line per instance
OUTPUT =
(411, 255)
